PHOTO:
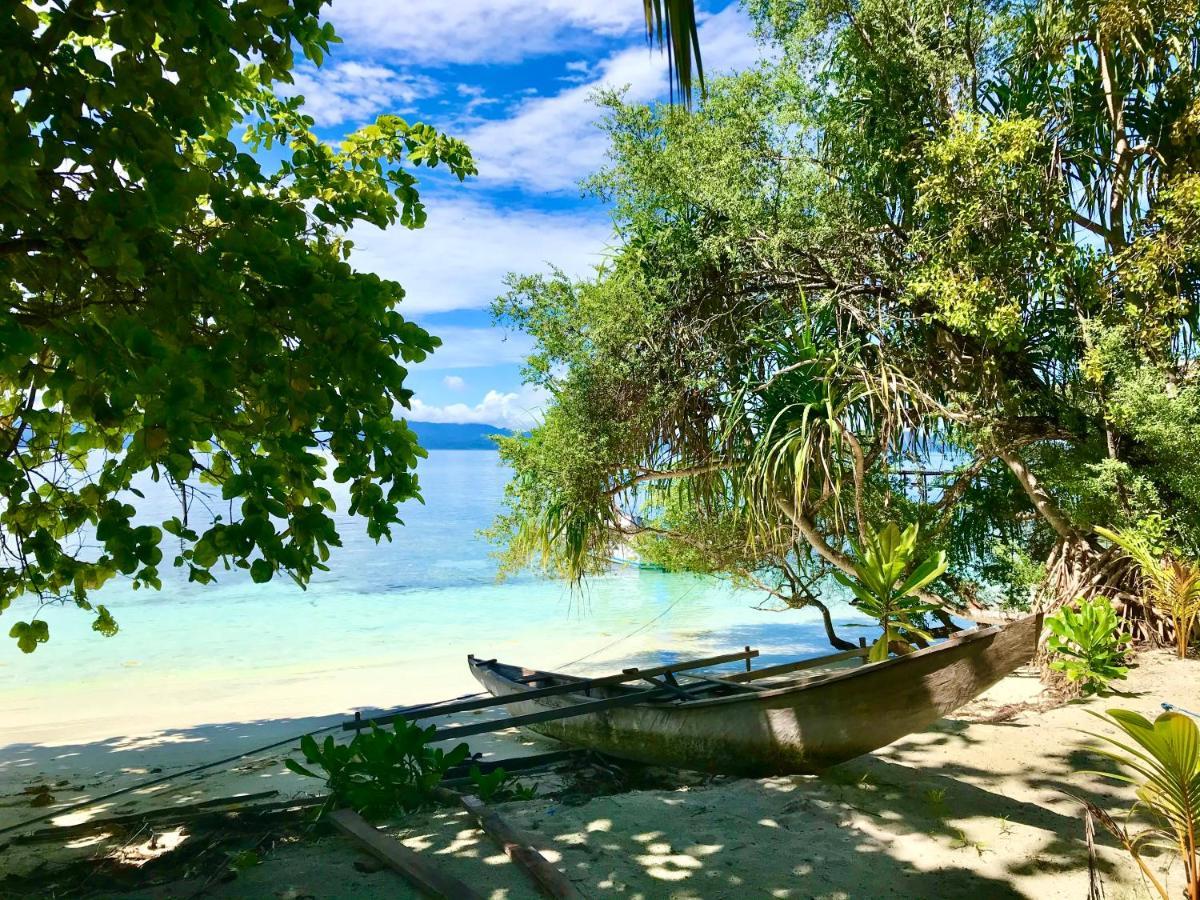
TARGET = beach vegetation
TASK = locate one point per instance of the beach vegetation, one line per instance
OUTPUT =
(498, 785)
(180, 303)
(1171, 585)
(1087, 644)
(1162, 762)
(929, 264)
(380, 771)
(886, 590)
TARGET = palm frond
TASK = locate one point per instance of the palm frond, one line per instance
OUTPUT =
(672, 24)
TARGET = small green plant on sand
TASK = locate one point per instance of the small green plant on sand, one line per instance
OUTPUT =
(1087, 645)
(498, 785)
(380, 771)
(962, 842)
(1163, 765)
(883, 591)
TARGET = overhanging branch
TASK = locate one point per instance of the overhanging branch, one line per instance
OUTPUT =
(1042, 501)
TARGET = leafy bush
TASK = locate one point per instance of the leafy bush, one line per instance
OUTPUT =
(880, 562)
(1087, 643)
(1165, 766)
(380, 771)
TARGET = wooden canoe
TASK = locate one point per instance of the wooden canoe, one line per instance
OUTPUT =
(805, 724)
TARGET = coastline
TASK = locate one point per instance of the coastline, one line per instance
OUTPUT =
(84, 741)
(975, 806)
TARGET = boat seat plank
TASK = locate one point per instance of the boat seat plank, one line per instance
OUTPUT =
(726, 683)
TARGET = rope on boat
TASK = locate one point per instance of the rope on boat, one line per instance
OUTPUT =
(619, 640)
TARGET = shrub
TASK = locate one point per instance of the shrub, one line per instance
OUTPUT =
(498, 785)
(380, 771)
(1087, 643)
(882, 591)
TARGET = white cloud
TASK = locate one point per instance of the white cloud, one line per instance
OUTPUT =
(454, 382)
(578, 71)
(550, 143)
(472, 348)
(437, 32)
(459, 259)
(353, 92)
(518, 410)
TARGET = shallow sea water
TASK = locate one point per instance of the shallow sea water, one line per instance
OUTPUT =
(426, 598)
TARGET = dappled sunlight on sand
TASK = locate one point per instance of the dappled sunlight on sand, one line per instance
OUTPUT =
(971, 809)
(155, 846)
(154, 740)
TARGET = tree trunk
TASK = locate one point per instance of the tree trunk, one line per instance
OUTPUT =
(834, 641)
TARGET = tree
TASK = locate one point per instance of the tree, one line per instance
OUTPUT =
(939, 265)
(174, 305)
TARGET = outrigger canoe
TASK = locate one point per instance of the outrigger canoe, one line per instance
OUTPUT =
(791, 718)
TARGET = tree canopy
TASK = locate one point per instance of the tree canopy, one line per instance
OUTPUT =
(934, 264)
(180, 305)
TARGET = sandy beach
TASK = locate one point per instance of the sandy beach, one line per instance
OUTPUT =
(974, 807)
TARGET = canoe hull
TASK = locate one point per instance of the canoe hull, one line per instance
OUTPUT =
(802, 728)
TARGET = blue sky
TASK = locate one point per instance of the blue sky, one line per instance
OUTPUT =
(513, 79)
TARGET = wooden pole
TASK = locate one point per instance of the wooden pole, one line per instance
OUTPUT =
(455, 732)
(571, 686)
(748, 667)
(415, 868)
(518, 847)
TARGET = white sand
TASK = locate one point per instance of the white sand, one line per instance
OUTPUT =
(970, 809)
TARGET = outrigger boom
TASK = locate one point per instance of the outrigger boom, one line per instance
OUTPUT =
(570, 684)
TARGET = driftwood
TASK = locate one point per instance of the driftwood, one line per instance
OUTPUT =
(417, 869)
(517, 846)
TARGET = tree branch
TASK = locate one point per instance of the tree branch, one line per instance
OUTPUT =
(1042, 501)
(835, 557)
(656, 475)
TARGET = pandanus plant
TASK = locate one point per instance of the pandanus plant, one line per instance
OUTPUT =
(1172, 585)
(884, 591)
(1163, 765)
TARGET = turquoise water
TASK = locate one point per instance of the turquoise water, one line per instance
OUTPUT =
(430, 592)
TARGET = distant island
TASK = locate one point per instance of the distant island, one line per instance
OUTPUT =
(456, 436)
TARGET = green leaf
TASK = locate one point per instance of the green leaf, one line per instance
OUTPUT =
(261, 571)
(294, 766)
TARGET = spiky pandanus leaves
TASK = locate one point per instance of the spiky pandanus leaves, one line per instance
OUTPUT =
(1164, 764)
(807, 420)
